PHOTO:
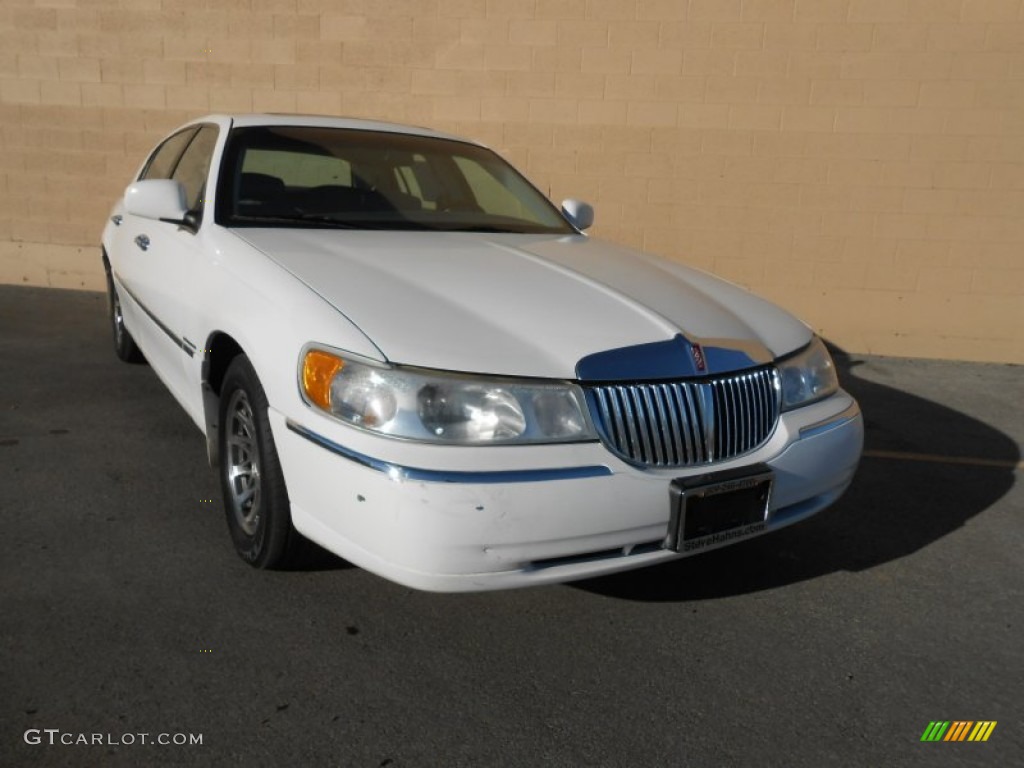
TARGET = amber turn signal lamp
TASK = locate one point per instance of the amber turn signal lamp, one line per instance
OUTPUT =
(318, 369)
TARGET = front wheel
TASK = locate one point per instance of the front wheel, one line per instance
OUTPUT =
(252, 483)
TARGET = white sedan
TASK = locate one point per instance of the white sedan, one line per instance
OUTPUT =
(399, 349)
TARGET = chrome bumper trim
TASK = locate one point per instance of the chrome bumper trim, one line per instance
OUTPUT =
(833, 422)
(399, 472)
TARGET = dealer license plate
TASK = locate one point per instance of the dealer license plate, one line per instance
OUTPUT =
(714, 509)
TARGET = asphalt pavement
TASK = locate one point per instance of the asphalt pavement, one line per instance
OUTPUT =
(124, 610)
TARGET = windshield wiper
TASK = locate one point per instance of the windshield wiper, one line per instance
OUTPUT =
(298, 218)
(497, 229)
(490, 228)
(328, 221)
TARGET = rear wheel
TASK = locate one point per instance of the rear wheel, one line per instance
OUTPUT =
(124, 344)
(252, 483)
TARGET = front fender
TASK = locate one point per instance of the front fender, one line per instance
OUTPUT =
(250, 304)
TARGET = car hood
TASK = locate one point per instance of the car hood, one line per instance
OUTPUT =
(521, 305)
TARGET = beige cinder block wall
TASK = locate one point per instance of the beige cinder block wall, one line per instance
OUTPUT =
(860, 161)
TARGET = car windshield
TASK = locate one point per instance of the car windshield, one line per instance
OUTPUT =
(294, 176)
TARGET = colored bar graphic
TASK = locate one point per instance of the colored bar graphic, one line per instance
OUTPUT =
(958, 730)
(982, 730)
(935, 730)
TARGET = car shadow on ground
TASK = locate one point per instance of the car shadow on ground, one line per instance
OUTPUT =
(315, 558)
(893, 508)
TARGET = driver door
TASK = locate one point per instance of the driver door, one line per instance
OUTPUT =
(159, 261)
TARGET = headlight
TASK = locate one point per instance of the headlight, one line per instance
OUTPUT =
(441, 407)
(807, 376)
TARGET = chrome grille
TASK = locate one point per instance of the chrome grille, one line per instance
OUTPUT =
(685, 423)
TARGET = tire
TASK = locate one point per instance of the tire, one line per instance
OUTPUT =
(124, 345)
(252, 483)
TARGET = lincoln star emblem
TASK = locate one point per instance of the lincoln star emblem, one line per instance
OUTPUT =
(698, 358)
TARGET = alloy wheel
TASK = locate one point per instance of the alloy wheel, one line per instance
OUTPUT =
(242, 463)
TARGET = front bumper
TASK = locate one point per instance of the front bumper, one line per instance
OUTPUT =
(466, 519)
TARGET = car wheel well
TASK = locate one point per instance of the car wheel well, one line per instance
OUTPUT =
(220, 350)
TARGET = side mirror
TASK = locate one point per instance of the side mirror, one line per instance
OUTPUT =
(160, 199)
(580, 214)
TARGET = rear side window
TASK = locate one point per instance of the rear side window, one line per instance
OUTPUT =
(162, 162)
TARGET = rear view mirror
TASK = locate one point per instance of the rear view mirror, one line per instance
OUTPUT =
(160, 199)
(580, 214)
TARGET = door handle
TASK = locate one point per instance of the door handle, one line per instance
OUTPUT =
(142, 241)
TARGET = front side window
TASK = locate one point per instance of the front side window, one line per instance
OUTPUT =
(194, 166)
(162, 162)
(291, 176)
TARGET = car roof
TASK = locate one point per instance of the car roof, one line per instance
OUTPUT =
(326, 121)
